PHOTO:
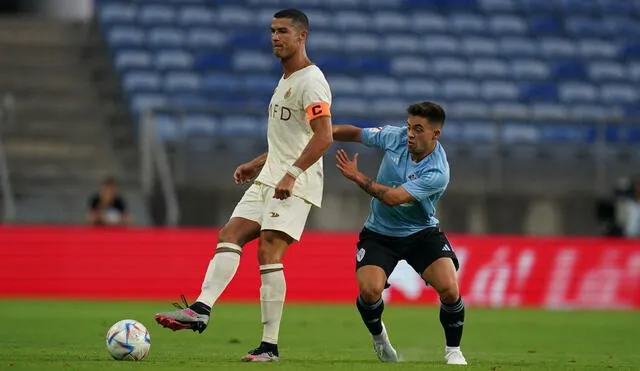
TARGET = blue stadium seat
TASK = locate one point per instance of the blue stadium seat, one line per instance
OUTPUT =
(111, 13)
(236, 16)
(401, 43)
(580, 26)
(460, 89)
(450, 67)
(529, 69)
(422, 89)
(616, 7)
(489, 68)
(549, 111)
(581, 6)
(173, 59)
(631, 50)
(156, 14)
(325, 41)
(141, 81)
(589, 112)
(125, 36)
(514, 132)
(633, 70)
(351, 20)
(246, 38)
(441, 44)
(507, 24)
(190, 16)
(567, 133)
(370, 64)
(606, 71)
(538, 91)
(545, 25)
(349, 106)
(497, 5)
(166, 37)
(388, 107)
(499, 90)
(402, 66)
(620, 26)
(517, 47)
(319, 19)
(260, 84)
(536, 6)
(572, 92)
(619, 94)
(428, 22)
(243, 126)
(181, 81)
(510, 110)
(568, 69)
(200, 124)
(143, 101)
(469, 109)
(557, 48)
(597, 48)
(478, 131)
(479, 46)
(467, 23)
(212, 61)
(132, 59)
(344, 85)
(390, 21)
(249, 60)
(222, 82)
(360, 42)
(206, 38)
(188, 100)
(378, 86)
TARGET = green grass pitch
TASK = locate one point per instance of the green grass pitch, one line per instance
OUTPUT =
(70, 335)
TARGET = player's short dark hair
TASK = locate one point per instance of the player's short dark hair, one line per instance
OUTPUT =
(429, 110)
(297, 16)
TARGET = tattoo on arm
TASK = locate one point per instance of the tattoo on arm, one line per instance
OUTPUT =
(374, 189)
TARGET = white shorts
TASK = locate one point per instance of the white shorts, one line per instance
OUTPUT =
(288, 216)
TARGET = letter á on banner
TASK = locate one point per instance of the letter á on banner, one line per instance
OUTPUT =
(560, 282)
(489, 285)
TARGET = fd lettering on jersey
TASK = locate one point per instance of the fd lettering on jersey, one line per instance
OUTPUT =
(279, 112)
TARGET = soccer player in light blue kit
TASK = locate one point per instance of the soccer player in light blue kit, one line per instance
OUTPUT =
(401, 225)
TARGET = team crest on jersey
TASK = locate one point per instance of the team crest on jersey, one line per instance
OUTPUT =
(375, 130)
(412, 177)
(287, 94)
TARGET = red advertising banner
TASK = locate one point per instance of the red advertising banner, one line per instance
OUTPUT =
(496, 271)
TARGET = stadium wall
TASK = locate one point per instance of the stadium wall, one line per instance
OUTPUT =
(161, 264)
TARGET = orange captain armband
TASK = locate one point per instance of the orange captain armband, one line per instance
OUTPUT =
(318, 110)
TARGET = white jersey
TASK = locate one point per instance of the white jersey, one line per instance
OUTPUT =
(304, 95)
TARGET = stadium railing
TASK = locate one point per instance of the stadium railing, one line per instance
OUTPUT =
(7, 120)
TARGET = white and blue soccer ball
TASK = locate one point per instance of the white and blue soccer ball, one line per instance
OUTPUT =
(128, 340)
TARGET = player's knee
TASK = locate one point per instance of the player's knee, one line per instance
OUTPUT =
(271, 248)
(449, 294)
(371, 292)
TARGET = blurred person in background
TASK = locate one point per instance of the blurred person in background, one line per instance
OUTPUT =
(632, 212)
(107, 207)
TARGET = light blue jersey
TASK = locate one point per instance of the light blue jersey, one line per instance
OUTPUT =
(426, 181)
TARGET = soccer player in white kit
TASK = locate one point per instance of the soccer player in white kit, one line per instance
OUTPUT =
(289, 181)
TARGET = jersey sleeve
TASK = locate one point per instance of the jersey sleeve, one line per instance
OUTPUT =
(316, 98)
(384, 137)
(426, 185)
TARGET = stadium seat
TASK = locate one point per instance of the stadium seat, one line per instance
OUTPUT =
(166, 126)
(460, 89)
(199, 124)
(440, 44)
(391, 21)
(324, 41)
(351, 20)
(497, 5)
(320, 19)
(141, 81)
(156, 14)
(538, 91)
(568, 69)
(205, 38)
(212, 61)
(143, 101)
(241, 127)
(529, 69)
(166, 37)
(181, 81)
(478, 46)
(247, 60)
(125, 36)
(402, 66)
(467, 23)
(446, 67)
(557, 48)
(507, 24)
(349, 106)
(419, 88)
(111, 13)
(360, 42)
(222, 82)
(401, 43)
(544, 25)
(510, 110)
(344, 85)
(469, 109)
(519, 132)
(517, 47)
(580, 26)
(188, 100)
(190, 16)
(633, 70)
(606, 71)
(549, 111)
(619, 93)
(132, 59)
(375, 86)
(260, 84)
(572, 92)
(489, 68)
(173, 59)
(388, 107)
(597, 48)
(499, 90)
(230, 16)
(428, 22)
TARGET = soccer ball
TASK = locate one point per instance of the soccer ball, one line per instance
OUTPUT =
(128, 340)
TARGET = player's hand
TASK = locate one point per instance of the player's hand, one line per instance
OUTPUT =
(348, 167)
(284, 188)
(245, 172)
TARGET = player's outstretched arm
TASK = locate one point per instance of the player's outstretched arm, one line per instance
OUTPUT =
(390, 196)
(249, 170)
(347, 133)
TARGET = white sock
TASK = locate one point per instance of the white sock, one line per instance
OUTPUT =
(272, 293)
(450, 349)
(382, 338)
(221, 270)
